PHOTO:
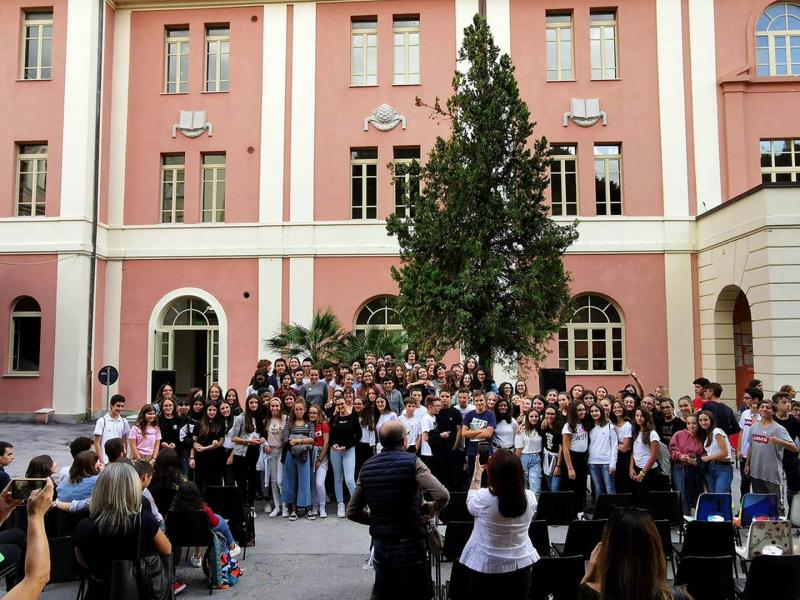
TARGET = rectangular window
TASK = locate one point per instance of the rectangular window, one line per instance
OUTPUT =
(603, 44)
(564, 180)
(406, 187)
(176, 60)
(37, 44)
(31, 179)
(172, 184)
(559, 47)
(780, 161)
(213, 188)
(406, 50)
(364, 52)
(218, 51)
(608, 178)
(364, 183)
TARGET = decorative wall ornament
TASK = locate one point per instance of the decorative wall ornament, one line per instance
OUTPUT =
(585, 112)
(192, 124)
(384, 118)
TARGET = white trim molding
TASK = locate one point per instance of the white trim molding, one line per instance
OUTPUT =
(270, 302)
(119, 117)
(498, 15)
(465, 11)
(301, 290)
(112, 312)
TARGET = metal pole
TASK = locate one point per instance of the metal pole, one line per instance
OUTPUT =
(108, 387)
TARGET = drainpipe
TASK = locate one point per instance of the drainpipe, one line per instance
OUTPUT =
(101, 5)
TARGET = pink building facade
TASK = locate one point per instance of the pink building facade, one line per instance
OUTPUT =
(233, 176)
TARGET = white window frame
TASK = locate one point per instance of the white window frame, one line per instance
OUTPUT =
(40, 168)
(607, 328)
(409, 76)
(406, 181)
(181, 46)
(599, 28)
(363, 163)
(559, 27)
(210, 173)
(772, 171)
(20, 314)
(362, 38)
(172, 174)
(217, 42)
(563, 202)
(379, 307)
(791, 38)
(603, 162)
(39, 25)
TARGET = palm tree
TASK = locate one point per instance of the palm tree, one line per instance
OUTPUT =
(321, 341)
(373, 340)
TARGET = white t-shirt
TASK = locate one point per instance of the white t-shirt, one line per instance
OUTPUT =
(504, 433)
(603, 445)
(714, 448)
(745, 422)
(412, 426)
(530, 443)
(427, 423)
(580, 439)
(419, 413)
(641, 451)
(108, 429)
(624, 431)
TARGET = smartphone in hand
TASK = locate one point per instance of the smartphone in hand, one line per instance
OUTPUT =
(22, 487)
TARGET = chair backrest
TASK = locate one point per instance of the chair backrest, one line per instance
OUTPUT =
(225, 500)
(709, 538)
(583, 536)
(707, 578)
(188, 528)
(63, 565)
(714, 505)
(456, 509)
(557, 578)
(539, 535)
(758, 505)
(606, 503)
(665, 505)
(773, 577)
(769, 533)
(456, 535)
(557, 508)
(665, 533)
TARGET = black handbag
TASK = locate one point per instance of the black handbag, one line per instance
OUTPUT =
(141, 579)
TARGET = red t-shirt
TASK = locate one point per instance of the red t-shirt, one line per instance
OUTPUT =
(321, 429)
(698, 403)
(213, 520)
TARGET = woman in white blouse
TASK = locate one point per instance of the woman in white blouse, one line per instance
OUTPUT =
(643, 469)
(499, 553)
(506, 430)
(602, 452)
(528, 445)
(718, 458)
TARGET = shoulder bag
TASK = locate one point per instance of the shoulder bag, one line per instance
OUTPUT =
(141, 579)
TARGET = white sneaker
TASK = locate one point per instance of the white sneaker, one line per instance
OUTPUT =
(266, 507)
(284, 511)
(235, 550)
(340, 510)
(322, 513)
(293, 516)
(196, 562)
(275, 512)
(311, 515)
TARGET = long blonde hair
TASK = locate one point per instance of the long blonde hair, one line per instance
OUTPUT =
(117, 496)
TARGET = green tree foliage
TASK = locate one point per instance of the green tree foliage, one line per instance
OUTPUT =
(481, 260)
(321, 341)
(374, 340)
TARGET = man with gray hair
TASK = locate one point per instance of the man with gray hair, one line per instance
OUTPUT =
(388, 498)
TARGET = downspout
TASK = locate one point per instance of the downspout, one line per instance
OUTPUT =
(101, 5)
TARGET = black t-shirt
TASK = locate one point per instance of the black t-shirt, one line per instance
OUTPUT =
(99, 550)
(171, 429)
(723, 416)
(792, 425)
(666, 429)
(449, 419)
(345, 431)
(552, 438)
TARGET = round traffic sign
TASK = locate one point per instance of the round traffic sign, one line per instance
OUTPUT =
(108, 375)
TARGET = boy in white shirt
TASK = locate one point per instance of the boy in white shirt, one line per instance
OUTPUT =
(111, 425)
(412, 425)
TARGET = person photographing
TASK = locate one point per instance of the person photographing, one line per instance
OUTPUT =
(388, 498)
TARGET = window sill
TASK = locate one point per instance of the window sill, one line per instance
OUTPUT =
(406, 84)
(217, 92)
(613, 79)
(33, 80)
(561, 80)
(371, 85)
(174, 93)
(21, 375)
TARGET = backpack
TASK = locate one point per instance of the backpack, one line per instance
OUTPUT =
(218, 565)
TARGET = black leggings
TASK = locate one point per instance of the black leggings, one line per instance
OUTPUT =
(486, 585)
(246, 476)
(580, 462)
(363, 452)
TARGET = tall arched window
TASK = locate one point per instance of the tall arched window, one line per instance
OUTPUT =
(379, 313)
(26, 333)
(592, 342)
(778, 40)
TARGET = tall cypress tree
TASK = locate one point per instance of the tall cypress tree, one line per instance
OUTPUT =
(481, 259)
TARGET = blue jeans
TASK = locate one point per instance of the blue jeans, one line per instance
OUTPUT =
(297, 481)
(602, 480)
(553, 482)
(532, 468)
(685, 480)
(344, 468)
(719, 478)
(224, 530)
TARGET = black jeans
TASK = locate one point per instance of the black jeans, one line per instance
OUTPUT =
(402, 571)
(246, 476)
(516, 584)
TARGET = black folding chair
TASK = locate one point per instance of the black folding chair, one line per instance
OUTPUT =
(557, 578)
(606, 503)
(708, 539)
(665, 505)
(187, 529)
(582, 537)
(9, 573)
(226, 501)
(557, 508)
(665, 533)
(707, 577)
(456, 535)
(772, 577)
(539, 535)
(456, 509)
(458, 584)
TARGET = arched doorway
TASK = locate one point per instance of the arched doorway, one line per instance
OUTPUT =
(187, 341)
(730, 361)
(742, 344)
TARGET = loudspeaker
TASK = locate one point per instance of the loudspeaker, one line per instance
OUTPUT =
(552, 379)
(159, 378)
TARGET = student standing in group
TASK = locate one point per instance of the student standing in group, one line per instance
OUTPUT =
(624, 432)
(315, 391)
(685, 450)
(207, 456)
(412, 427)
(319, 466)
(506, 430)
(718, 458)
(448, 426)
(273, 466)
(751, 399)
(247, 440)
(384, 415)
(366, 444)
(145, 436)
(643, 468)
(552, 458)
(478, 427)
(170, 425)
(528, 445)
(668, 423)
(791, 467)
(226, 416)
(576, 451)
(298, 440)
(394, 397)
(111, 425)
(602, 452)
(345, 431)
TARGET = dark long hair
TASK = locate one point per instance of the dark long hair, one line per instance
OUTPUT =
(83, 466)
(572, 415)
(631, 562)
(706, 435)
(188, 497)
(506, 481)
(167, 471)
(252, 419)
(141, 420)
(211, 427)
(646, 428)
(40, 467)
(507, 417)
